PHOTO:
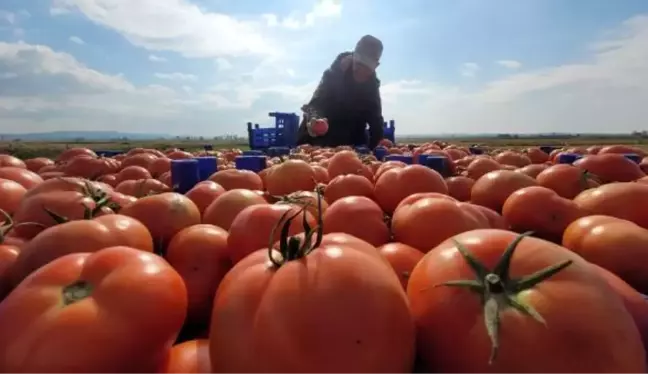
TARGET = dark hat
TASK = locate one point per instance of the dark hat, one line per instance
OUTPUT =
(368, 51)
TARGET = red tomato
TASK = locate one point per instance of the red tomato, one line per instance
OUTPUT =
(232, 179)
(80, 236)
(204, 193)
(133, 302)
(8, 256)
(189, 357)
(402, 258)
(199, 254)
(222, 211)
(164, 215)
(335, 285)
(11, 195)
(396, 184)
(26, 178)
(358, 216)
(533, 326)
(348, 185)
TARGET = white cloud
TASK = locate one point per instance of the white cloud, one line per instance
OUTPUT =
(604, 92)
(322, 9)
(469, 69)
(510, 64)
(174, 25)
(6, 16)
(76, 40)
(176, 76)
(223, 64)
(155, 58)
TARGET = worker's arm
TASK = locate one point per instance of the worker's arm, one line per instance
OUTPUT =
(375, 117)
(317, 106)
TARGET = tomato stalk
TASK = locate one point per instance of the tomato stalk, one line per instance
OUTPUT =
(291, 247)
(76, 291)
(7, 224)
(498, 291)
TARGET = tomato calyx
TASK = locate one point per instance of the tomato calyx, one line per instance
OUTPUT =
(76, 292)
(88, 213)
(498, 291)
(291, 247)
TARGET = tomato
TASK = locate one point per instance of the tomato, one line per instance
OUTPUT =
(622, 200)
(222, 211)
(537, 156)
(307, 200)
(142, 187)
(164, 215)
(402, 258)
(429, 221)
(11, 195)
(358, 216)
(610, 167)
(204, 193)
(634, 302)
(232, 179)
(533, 170)
(9, 160)
(66, 184)
(612, 243)
(80, 236)
(130, 301)
(344, 162)
(396, 184)
(492, 189)
(348, 185)
(189, 357)
(32, 216)
(290, 176)
(133, 173)
(459, 187)
(566, 303)
(159, 166)
(540, 210)
(90, 168)
(139, 159)
(567, 180)
(512, 158)
(8, 256)
(316, 301)
(481, 166)
(495, 220)
(70, 153)
(26, 178)
(261, 219)
(199, 254)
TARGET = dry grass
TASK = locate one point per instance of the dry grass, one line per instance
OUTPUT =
(24, 149)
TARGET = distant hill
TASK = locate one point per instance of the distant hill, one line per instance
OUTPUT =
(81, 135)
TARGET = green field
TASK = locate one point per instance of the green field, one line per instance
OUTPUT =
(25, 149)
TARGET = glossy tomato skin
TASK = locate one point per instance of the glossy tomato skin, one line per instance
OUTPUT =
(8, 256)
(11, 194)
(80, 236)
(128, 322)
(450, 320)
(324, 322)
(402, 258)
(191, 356)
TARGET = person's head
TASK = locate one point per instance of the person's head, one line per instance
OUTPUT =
(366, 57)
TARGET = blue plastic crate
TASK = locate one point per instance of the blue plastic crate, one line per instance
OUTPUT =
(568, 158)
(207, 166)
(547, 148)
(438, 163)
(389, 131)
(108, 153)
(252, 163)
(633, 157)
(185, 174)
(283, 134)
(381, 153)
(404, 158)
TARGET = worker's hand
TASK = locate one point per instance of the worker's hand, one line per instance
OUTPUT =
(317, 127)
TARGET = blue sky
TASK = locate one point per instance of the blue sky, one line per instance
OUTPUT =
(205, 67)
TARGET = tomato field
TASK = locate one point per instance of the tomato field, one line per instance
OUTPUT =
(327, 260)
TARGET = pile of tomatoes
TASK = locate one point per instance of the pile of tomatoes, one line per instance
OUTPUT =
(326, 261)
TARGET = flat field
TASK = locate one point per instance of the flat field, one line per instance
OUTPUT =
(29, 149)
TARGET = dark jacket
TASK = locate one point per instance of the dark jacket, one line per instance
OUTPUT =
(349, 106)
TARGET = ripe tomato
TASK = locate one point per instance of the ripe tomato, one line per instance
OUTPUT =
(204, 193)
(261, 219)
(344, 162)
(133, 173)
(164, 215)
(80, 236)
(307, 200)
(8, 256)
(333, 285)
(492, 189)
(32, 217)
(567, 180)
(290, 176)
(481, 166)
(402, 258)
(459, 187)
(358, 216)
(396, 184)
(622, 200)
(9, 160)
(26, 178)
(141, 187)
(531, 327)
(133, 302)
(191, 356)
(199, 254)
(612, 243)
(348, 185)
(222, 211)
(533, 170)
(231, 179)
(11, 195)
(540, 210)
(610, 167)
(36, 164)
